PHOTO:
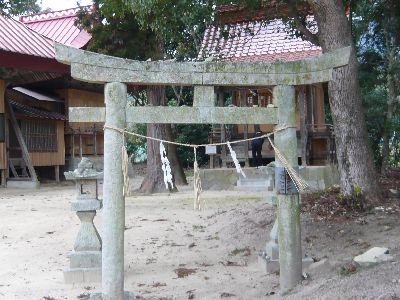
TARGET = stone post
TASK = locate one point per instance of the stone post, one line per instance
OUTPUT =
(113, 199)
(289, 235)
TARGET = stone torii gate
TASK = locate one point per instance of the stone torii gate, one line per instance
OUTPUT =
(115, 73)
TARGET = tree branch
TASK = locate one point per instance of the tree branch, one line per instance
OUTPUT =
(301, 27)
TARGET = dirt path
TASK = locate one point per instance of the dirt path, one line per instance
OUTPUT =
(173, 252)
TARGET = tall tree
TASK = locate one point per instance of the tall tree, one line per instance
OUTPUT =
(353, 151)
(18, 7)
(377, 25)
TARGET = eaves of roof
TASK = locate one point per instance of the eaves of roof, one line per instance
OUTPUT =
(15, 37)
(59, 26)
(28, 111)
(255, 41)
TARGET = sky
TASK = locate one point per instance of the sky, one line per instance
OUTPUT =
(62, 4)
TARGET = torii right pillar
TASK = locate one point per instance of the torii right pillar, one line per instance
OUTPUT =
(288, 198)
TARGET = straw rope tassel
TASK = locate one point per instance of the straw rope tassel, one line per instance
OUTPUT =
(197, 183)
(125, 162)
(300, 183)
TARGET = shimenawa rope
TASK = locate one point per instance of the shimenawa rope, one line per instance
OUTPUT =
(300, 183)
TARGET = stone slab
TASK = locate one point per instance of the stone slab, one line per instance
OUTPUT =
(218, 179)
(86, 205)
(227, 178)
(85, 259)
(82, 275)
(23, 184)
(72, 163)
(373, 256)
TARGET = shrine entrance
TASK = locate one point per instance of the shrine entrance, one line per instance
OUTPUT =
(115, 73)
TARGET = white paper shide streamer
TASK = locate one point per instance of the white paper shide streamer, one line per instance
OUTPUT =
(235, 160)
(165, 167)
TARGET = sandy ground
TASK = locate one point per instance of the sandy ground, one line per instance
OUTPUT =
(163, 233)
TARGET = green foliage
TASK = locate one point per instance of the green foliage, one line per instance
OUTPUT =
(115, 31)
(192, 134)
(18, 7)
(376, 25)
(136, 146)
(178, 24)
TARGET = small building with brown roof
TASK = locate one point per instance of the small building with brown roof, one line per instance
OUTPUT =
(35, 94)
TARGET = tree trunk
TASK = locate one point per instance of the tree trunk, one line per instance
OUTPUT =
(153, 182)
(354, 154)
(176, 164)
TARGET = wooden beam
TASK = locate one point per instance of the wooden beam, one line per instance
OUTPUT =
(181, 115)
(24, 149)
(92, 67)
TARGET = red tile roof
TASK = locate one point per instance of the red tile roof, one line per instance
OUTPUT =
(59, 26)
(16, 37)
(255, 41)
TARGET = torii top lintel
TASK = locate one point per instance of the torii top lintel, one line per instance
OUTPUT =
(92, 67)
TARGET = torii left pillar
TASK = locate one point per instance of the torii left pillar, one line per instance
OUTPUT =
(113, 197)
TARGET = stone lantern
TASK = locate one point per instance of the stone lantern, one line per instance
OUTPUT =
(85, 259)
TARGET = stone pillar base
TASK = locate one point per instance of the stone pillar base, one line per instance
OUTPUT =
(272, 265)
(82, 275)
(85, 259)
(84, 266)
(99, 296)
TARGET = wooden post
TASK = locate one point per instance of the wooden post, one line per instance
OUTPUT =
(289, 236)
(243, 103)
(211, 161)
(113, 199)
(80, 144)
(94, 141)
(3, 178)
(72, 144)
(223, 148)
(7, 148)
(24, 150)
(57, 173)
(223, 132)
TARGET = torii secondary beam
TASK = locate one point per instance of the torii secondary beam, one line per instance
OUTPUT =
(181, 115)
